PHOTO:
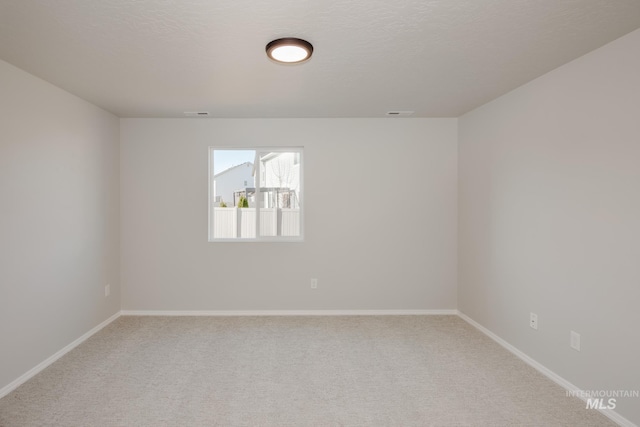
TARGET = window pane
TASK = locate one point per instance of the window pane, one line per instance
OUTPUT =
(233, 193)
(280, 193)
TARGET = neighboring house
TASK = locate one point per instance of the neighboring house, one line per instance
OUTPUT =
(280, 179)
(231, 180)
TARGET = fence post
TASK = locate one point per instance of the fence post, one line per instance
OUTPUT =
(238, 218)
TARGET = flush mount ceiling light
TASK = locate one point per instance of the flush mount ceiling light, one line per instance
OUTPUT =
(289, 50)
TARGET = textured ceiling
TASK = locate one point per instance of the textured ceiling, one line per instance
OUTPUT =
(439, 58)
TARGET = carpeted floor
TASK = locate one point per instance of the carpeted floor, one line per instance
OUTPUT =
(292, 371)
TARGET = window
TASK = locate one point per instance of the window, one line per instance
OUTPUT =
(255, 194)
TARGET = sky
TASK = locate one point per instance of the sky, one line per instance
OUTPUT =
(225, 159)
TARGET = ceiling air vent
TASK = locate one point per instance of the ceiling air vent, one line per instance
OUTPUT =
(400, 113)
(196, 113)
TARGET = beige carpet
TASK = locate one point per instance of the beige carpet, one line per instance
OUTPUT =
(292, 371)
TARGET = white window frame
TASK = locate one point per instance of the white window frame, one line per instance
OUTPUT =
(258, 238)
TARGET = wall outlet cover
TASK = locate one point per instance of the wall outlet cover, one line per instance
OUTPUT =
(574, 341)
(533, 320)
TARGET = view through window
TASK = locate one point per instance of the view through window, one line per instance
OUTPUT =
(255, 194)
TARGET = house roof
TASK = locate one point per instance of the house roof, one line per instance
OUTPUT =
(234, 167)
(157, 58)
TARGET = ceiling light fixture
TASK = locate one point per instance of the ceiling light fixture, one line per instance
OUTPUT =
(289, 50)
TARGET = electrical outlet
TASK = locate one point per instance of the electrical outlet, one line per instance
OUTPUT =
(533, 321)
(574, 341)
(314, 283)
(107, 290)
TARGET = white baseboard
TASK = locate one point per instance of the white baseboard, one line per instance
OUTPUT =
(612, 415)
(287, 312)
(42, 365)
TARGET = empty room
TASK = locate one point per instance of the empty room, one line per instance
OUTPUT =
(330, 213)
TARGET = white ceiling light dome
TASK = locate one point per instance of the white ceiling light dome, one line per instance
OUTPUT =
(289, 50)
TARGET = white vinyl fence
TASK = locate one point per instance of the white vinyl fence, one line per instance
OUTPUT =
(230, 223)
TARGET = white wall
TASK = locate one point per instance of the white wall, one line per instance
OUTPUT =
(59, 219)
(393, 257)
(549, 202)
